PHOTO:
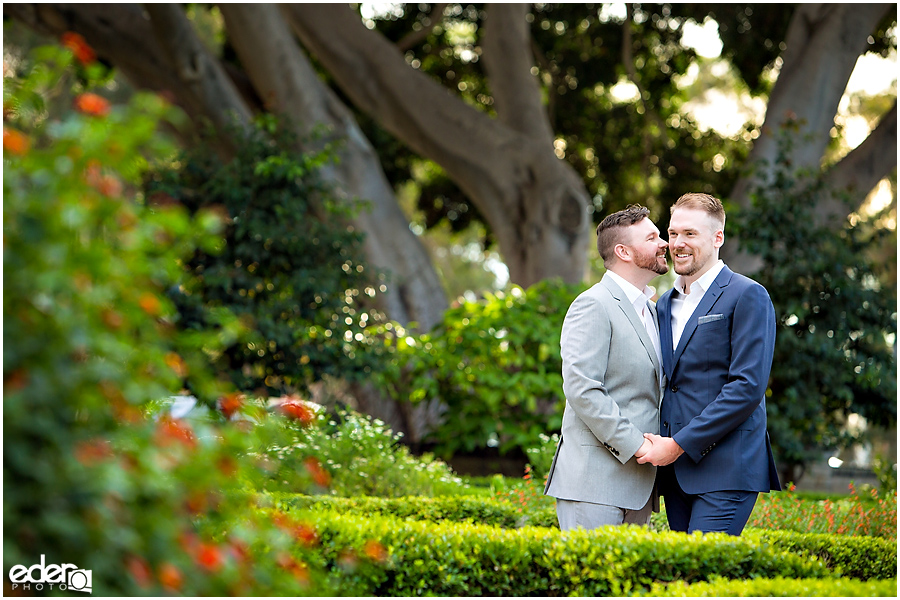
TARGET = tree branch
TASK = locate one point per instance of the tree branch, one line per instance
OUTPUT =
(198, 71)
(508, 61)
(408, 103)
(861, 169)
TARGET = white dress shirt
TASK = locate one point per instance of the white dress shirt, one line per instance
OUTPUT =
(684, 305)
(638, 299)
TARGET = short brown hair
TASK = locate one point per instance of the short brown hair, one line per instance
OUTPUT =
(698, 201)
(609, 231)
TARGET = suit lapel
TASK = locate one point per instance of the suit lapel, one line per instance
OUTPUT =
(664, 306)
(628, 310)
(709, 299)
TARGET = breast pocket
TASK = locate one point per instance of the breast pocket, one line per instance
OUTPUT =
(714, 335)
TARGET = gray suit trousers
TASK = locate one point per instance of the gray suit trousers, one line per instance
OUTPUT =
(588, 515)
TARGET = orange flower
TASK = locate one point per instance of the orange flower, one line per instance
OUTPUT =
(319, 475)
(290, 564)
(75, 42)
(174, 430)
(209, 557)
(92, 104)
(91, 452)
(140, 571)
(227, 465)
(149, 303)
(111, 318)
(375, 551)
(15, 142)
(177, 364)
(229, 404)
(110, 186)
(295, 408)
(170, 577)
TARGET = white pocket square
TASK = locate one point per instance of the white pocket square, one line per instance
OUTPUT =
(709, 318)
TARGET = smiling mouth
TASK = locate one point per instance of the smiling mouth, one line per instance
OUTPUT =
(683, 255)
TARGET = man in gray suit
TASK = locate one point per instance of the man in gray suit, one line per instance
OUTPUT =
(613, 382)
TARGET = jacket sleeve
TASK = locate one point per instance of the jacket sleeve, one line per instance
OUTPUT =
(752, 348)
(585, 351)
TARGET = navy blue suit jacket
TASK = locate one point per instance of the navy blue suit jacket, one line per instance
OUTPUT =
(714, 405)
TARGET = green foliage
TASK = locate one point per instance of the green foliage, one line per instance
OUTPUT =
(776, 587)
(362, 458)
(848, 556)
(462, 559)
(458, 509)
(150, 507)
(647, 151)
(494, 365)
(288, 268)
(834, 319)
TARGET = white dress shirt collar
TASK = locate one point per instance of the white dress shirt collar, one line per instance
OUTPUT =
(637, 298)
(702, 284)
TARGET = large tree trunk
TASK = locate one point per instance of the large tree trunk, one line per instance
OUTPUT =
(284, 78)
(823, 43)
(535, 203)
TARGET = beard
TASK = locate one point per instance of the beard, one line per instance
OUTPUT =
(651, 262)
(689, 268)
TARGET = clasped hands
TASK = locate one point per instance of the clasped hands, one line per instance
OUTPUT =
(658, 451)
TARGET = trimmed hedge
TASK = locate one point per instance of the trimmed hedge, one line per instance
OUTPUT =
(779, 586)
(858, 557)
(461, 509)
(862, 557)
(414, 558)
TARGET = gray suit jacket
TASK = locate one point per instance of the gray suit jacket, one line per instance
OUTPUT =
(613, 391)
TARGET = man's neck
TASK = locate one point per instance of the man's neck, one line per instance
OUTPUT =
(639, 278)
(689, 281)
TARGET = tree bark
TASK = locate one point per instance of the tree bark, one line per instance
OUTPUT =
(535, 203)
(284, 78)
(823, 42)
(861, 170)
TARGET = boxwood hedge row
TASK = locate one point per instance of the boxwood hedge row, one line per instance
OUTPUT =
(776, 587)
(859, 557)
(413, 558)
(849, 556)
(463, 509)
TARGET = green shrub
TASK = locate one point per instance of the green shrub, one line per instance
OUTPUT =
(460, 559)
(778, 586)
(151, 507)
(457, 509)
(495, 366)
(859, 557)
(361, 456)
(851, 556)
(836, 314)
(288, 267)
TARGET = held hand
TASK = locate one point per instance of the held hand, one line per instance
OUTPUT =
(663, 451)
(645, 447)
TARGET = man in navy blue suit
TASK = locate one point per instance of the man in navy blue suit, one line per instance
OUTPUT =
(717, 332)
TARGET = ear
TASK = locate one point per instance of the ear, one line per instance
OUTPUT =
(718, 238)
(622, 252)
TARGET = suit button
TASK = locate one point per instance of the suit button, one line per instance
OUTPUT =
(665, 423)
(674, 388)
